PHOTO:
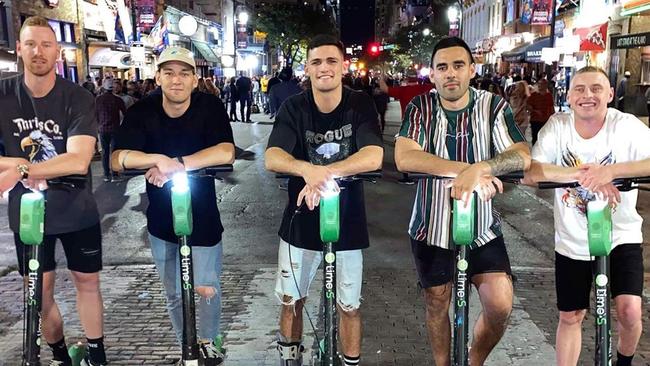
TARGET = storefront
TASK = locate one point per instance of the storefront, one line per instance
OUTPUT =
(637, 46)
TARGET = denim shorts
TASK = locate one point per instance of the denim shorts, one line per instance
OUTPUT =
(349, 271)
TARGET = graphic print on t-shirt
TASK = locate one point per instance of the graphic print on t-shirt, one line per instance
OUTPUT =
(328, 147)
(579, 197)
(37, 138)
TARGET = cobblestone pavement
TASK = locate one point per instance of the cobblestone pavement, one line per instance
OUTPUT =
(138, 331)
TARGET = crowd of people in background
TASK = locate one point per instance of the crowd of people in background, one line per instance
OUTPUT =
(533, 99)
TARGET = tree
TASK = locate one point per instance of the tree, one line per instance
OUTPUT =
(290, 26)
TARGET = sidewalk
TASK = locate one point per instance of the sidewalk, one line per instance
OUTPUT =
(138, 331)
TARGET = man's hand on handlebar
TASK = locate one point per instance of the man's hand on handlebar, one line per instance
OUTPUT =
(610, 193)
(156, 177)
(319, 178)
(310, 196)
(593, 176)
(488, 187)
(168, 166)
(35, 184)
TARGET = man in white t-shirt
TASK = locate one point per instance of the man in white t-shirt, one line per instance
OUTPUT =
(593, 145)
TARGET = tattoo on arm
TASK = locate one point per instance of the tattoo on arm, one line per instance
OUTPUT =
(506, 162)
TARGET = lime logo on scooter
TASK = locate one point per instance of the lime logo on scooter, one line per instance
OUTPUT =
(185, 266)
(601, 299)
(329, 275)
(32, 277)
(461, 283)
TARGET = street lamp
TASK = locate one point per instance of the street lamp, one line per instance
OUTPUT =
(243, 17)
(426, 32)
(452, 13)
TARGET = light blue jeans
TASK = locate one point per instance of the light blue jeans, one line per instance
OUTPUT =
(207, 273)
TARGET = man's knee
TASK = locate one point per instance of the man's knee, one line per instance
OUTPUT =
(88, 282)
(572, 318)
(498, 314)
(437, 298)
(629, 314)
(206, 292)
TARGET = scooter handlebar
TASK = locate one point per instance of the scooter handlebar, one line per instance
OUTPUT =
(211, 171)
(513, 177)
(73, 181)
(624, 184)
(360, 176)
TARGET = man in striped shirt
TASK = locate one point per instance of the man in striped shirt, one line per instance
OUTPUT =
(470, 136)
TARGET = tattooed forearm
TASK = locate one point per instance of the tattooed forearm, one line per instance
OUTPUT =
(506, 162)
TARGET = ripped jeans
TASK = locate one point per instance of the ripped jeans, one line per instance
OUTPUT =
(207, 273)
(349, 271)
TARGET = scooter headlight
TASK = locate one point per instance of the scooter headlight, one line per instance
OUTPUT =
(180, 182)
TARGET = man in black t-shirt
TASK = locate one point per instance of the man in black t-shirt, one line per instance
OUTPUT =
(326, 132)
(172, 132)
(49, 130)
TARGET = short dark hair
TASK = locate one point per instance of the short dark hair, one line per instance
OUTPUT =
(325, 40)
(448, 42)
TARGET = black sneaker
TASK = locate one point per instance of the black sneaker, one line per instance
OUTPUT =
(211, 354)
(406, 181)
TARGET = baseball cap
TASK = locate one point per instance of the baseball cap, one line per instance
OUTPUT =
(179, 54)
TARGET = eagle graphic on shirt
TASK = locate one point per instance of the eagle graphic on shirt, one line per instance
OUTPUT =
(579, 197)
(38, 146)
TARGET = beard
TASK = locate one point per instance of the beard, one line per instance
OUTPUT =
(39, 69)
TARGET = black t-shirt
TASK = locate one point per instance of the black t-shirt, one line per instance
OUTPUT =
(38, 129)
(147, 128)
(244, 85)
(324, 138)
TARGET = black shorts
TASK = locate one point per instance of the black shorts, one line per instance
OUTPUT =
(435, 265)
(573, 278)
(83, 250)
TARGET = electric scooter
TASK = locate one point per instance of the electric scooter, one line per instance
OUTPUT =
(463, 229)
(329, 234)
(31, 232)
(599, 232)
(183, 227)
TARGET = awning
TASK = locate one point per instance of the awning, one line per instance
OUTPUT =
(105, 57)
(517, 54)
(534, 50)
(630, 40)
(205, 51)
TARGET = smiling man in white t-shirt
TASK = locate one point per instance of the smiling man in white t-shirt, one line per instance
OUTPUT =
(593, 145)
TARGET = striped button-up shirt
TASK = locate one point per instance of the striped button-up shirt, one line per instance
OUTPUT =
(485, 128)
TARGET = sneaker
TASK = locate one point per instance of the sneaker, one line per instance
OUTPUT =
(406, 181)
(59, 363)
(86, 362)
(211, 354)
(107, 179)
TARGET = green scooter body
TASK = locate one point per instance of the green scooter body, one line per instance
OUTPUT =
(182, 211)
(464, 219)
(599, 228)
(329, 218)
(32, 218)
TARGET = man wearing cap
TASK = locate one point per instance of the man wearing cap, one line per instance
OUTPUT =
(108, 107)
(176, 131)
(622, 91)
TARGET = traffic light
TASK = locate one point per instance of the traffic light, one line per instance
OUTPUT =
(373, 49)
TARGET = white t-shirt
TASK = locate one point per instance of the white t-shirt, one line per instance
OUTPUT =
(622, 138)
